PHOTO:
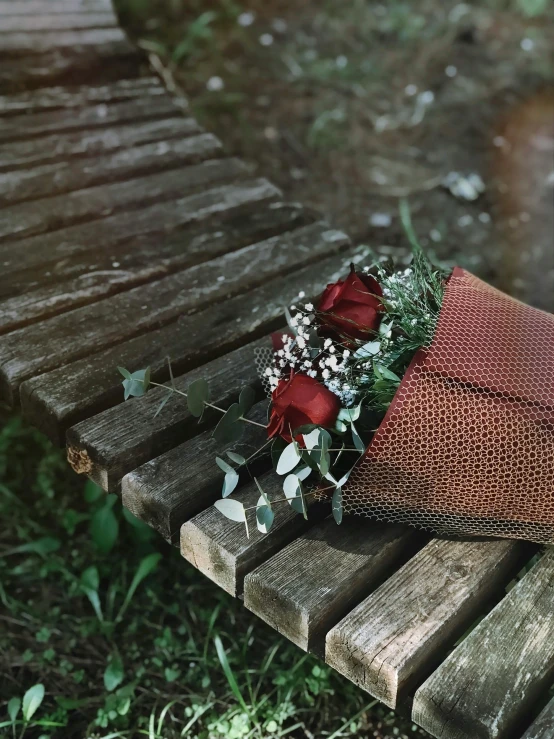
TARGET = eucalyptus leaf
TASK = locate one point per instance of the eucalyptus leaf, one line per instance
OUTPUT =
(231, 509)
(263, 496)
(229, 429)
(358, 443)
(222, 464)
(340, 426)
(276, 449)
(350, 414)
(230, 483)
(198, 394)
(125, 372)
(386, 373)
(293, 493)
(264, 517)
(336, 505)
(163, 404)
(237, 458)
(306, 428)
(289, 458)
(302, 472)
(311, 439)
(247, 398)
(368, 350)
(137, 383)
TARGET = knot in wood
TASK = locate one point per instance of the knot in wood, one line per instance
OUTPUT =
(79, 460)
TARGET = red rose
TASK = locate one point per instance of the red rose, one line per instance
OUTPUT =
(352, 307)
(299, 401)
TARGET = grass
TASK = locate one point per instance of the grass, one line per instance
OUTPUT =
(128, 639)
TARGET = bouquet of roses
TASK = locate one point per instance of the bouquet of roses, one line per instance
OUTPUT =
(419, 396)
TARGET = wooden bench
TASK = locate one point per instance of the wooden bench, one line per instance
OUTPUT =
(126, 235)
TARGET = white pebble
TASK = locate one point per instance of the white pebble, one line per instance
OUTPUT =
(410, 90)
(451, 71)
(245, 19)
(484, 217)
(266, 39)
(380, 220)
(527, 44)
(214, 84)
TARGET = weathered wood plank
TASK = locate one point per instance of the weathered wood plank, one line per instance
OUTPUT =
(41, 123)
(56, 22)
(100, 273)
(126, 436)
(543, 726)
(24, 44)
(69, 66)
(220, 549)
(71, 282)
(48, 180)
(99, 201)
(66, 249)
(79, 96)
(39, 7)
(168, 490)
(63, 397)
(394, 638)
(78, 333)
(65, 147)
(312, 583)
(489, 682)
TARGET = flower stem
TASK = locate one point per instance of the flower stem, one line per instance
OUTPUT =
(209, 405)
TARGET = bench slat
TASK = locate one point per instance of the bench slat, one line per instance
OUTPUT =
(63, 397)
(32, 24)
(24, 44)
(139, 161)
(52, 214)
(77, 280)
(168, 490)
(220, 549)
(65, 249)
(39, 7)
(100, 115)
(312, 583)
(79, 96)
(543, 727)
(65, 148)
(486, 686)
(128, 435)
(102, 273)
(52, 343)
(395, 637)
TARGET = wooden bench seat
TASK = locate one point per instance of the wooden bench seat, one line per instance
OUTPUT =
(127, 235)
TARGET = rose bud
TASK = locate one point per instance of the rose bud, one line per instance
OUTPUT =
(352, 307)
(298, 401)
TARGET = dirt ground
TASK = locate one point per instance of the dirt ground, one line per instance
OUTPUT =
(348, 105)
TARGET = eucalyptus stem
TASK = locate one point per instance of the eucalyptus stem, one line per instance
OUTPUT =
(287, 500)
(210, 405)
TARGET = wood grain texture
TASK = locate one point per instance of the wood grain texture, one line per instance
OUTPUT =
(103, 272)
(395, 636)
(543, 726)
(68, 245)
(31, 24)
(313, 582)
(99, 115)
(100, 64)
(35, 294)
(64, 148)
(486, 686)
(53, 213)
(40, 7)
(47, 180)
(63, 397)
(25, 44)
(124, 437)
(80, 96)
(173, 487)
(70, 336)
(220, 549)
